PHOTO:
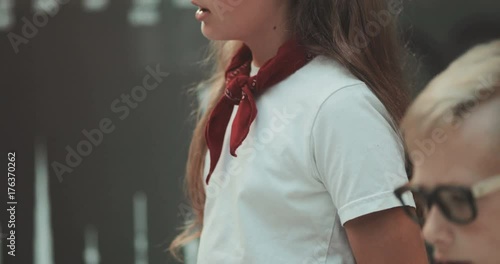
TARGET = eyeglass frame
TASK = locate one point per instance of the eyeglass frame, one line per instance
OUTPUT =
(472, 193)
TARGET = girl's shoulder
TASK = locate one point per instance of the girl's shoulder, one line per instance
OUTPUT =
(329, 72)
(320, 80)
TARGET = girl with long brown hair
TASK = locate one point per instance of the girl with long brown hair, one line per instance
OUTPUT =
(296, 153)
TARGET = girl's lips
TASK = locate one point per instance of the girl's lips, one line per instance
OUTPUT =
(202, 11)
(202, 14)
(200, 7)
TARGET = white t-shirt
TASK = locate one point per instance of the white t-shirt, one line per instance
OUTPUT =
(254, 70)
(321, 152)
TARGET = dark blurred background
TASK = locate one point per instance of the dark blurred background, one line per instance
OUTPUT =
(63, 77)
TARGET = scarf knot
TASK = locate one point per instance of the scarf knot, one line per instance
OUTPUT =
(242, 90)
(238, 88)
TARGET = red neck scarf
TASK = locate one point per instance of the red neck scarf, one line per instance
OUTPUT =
(241, 89)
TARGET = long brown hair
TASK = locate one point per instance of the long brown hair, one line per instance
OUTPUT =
(359, 34)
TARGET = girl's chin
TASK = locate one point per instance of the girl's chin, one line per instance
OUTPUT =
(208, 32)
(213, 35)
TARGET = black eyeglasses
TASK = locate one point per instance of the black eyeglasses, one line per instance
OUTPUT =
(456, 203)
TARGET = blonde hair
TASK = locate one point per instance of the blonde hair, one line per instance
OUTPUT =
(469, 81)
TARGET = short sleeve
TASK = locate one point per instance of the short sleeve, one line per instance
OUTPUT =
(357, 154)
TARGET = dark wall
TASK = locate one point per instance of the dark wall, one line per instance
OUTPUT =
(63, 82)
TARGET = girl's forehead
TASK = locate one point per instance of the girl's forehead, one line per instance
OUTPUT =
(479, 135)
(455, 162)
(465, 153)
(440, 174)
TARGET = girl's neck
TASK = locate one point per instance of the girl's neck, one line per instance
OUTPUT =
(265, 44)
